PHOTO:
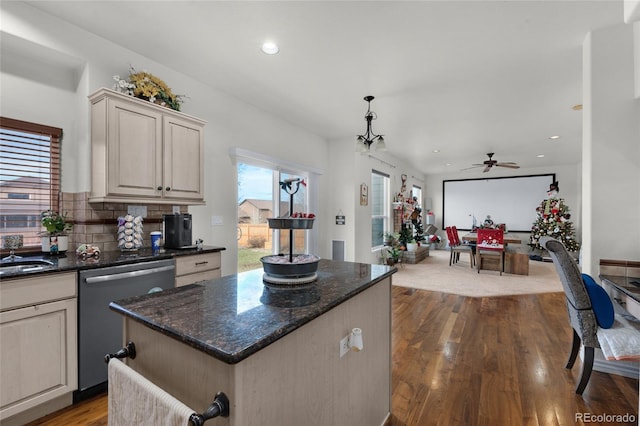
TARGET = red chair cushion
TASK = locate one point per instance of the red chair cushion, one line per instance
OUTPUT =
(454, 234)
(491, 239)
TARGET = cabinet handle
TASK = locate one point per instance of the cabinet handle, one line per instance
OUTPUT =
(202, 263)
(159, 188)
(168, 188)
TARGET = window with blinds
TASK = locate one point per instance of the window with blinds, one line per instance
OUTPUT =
(29, 177)
(380, 202)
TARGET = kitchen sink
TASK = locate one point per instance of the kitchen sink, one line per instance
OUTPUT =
(24, 265)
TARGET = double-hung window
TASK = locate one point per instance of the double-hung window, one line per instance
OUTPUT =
(380, 207)
(29, 177)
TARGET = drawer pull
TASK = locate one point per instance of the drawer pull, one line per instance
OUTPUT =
(620, 301)
(202, 263)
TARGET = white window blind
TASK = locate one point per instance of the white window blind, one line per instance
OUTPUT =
(29, 177)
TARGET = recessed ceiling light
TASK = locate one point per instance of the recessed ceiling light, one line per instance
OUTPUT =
(554, 137)
(540, 155)
(448, 164)
(436, 150)
(270, 48)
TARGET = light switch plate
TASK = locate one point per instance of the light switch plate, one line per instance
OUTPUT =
(216, 220)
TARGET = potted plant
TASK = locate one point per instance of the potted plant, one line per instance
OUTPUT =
(412, 245)
(54, 239)
(393, 255)
(406, 236)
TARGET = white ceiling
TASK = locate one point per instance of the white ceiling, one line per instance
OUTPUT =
(462, 77)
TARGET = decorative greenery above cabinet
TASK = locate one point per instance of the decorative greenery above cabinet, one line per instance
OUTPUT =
(144, 152)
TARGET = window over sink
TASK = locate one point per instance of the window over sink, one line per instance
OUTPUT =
(29, 177)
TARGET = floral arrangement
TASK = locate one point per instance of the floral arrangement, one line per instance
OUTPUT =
(55, 223)
(144, 85)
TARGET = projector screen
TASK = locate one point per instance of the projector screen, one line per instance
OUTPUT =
(509, 200)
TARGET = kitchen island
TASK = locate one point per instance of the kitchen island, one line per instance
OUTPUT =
(275, 352)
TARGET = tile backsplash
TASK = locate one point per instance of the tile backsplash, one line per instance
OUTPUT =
(96, 223)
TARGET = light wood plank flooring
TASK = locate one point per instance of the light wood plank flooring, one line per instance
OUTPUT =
(473, 361)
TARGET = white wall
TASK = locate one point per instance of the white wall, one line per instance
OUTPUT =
(350, 169)
(90, 63)
(636, 58)
(611, 148)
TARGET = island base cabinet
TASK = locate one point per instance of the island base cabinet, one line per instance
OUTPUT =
(299, 379)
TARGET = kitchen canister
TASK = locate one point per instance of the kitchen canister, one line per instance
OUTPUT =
(130, 234)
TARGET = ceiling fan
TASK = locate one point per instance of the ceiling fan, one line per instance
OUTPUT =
(488, 164)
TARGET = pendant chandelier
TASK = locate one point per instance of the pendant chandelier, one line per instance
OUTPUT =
(369, 141)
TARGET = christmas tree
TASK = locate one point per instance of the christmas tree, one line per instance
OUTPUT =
(553, 221)
(416, 220)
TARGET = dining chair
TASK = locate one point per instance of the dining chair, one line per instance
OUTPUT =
(581, 315)
(471, 245)
(456, 247)
(592, 316)
(490, 243)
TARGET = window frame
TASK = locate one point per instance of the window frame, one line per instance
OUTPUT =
(386, 206)
(41, 145)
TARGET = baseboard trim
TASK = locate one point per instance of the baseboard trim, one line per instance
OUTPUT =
(621, 368)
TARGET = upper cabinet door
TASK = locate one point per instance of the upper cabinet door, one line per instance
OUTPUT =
(183, 159)
(134, 150)
(143, 152)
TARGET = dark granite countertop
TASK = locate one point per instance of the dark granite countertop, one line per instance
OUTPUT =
(625, 285)
(70, 262)
(235, 316)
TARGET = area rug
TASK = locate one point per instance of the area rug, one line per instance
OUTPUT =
(435, 274)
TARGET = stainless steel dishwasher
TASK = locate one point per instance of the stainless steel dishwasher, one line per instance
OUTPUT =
(99, 328)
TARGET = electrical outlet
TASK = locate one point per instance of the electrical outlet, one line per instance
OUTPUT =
(137, 211)
(344, 346)
(216, 220)
(175, 209)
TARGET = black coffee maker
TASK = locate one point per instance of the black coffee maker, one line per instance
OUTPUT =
(177, 230)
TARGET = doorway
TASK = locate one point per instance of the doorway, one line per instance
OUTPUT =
(255, 205)
(260, 197)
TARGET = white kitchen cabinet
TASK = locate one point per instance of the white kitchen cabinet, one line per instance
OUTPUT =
(144, 152)
(198, 267)
(38, 345)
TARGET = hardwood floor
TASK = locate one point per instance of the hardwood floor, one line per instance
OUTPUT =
(473, 361)
(492, 361)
